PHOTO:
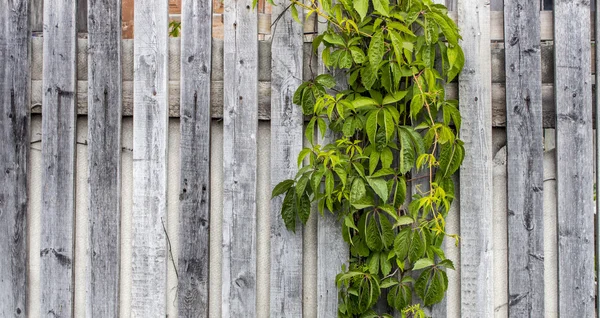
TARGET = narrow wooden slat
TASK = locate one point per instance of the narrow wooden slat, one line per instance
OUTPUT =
(58, 157)
(194, 190)
(14, 156)
(574, 159)
(597, 121)
(475, 96)
(36, 15)
(104, 152)
(240, 124)
(525, 159)
(286, 143)
(149, 261)
(332, 250)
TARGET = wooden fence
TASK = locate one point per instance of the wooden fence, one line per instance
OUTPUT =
(168, 212)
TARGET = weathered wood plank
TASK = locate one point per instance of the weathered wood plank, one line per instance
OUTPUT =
(475, 96)
(240, 124)
(58, 156)
(286, 143)
(597, 117)
(14, 156)
(332, 250)
(149, 261)
(104, 153)
(574, 159)
(525, 159)
(194, 192)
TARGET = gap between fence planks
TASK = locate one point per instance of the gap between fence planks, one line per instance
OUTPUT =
(14, 156)
(58, 157)
(476, 182)
(194, 193)
(286, 279)
(240, 124)
(574, 160)
(525, 160)
(149, 260)
(104, 152)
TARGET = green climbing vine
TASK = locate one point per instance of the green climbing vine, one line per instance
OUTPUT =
(390, 119)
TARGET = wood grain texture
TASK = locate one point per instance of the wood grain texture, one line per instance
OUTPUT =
(597, 117)
(240, 124)
(525, 159)
(574, 159)
(332, 250)
(475, 98)
(286, 144)
(194, 191)
(14, 156)
(104, 153)
(149, 261)
(58, 157)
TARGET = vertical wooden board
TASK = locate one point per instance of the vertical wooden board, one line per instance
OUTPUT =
(104, 153)
(14, 156)
(58, 157)
(240, 124)
(150, 121)
(525, 159)
(597, 107)
(194, 195)
(332, 250)
(574, 158)
(475, 93)
(286, 144)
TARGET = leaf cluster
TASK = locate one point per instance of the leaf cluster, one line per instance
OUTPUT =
(390, 119)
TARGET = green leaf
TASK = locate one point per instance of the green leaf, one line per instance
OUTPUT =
(447, 264)
(376, 49)
(349, 222)
(371, 125)
(361, 7)
(301, 185)
(387, 234)
(402, 243)
(422, 263)
(431, 286)
(389, 124)
(346, 59)
(358, 55)
(387, 157)
(369, 75)
(316, 179)
(404, 220)
(303, 153)
(282, 187)
(335, 39)
(385, 264)
(373, 239)
(304, 208)
(308, 102)
(406, 158)
(379, 186)
(326, 80)
(297, 99)
(456, 60)
(329, 183)
(294, 13)
(373, 161)
(309, 133)
(417, 246)
(449, 32)
(322, 126)
(288, 211)
(374, 263)
(357, 191)
(393, 98)
(382, 6)
(400, 194)
(400, 296)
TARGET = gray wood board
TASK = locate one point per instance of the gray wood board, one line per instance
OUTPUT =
(525, 159)
(14, 156)
(574, 144)
(104, 153)
(475, 93)
(150, 129)
(597, 117)
(332, 250)
(194, 193)
(240, 124)
(58, 157)
(286, 143)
